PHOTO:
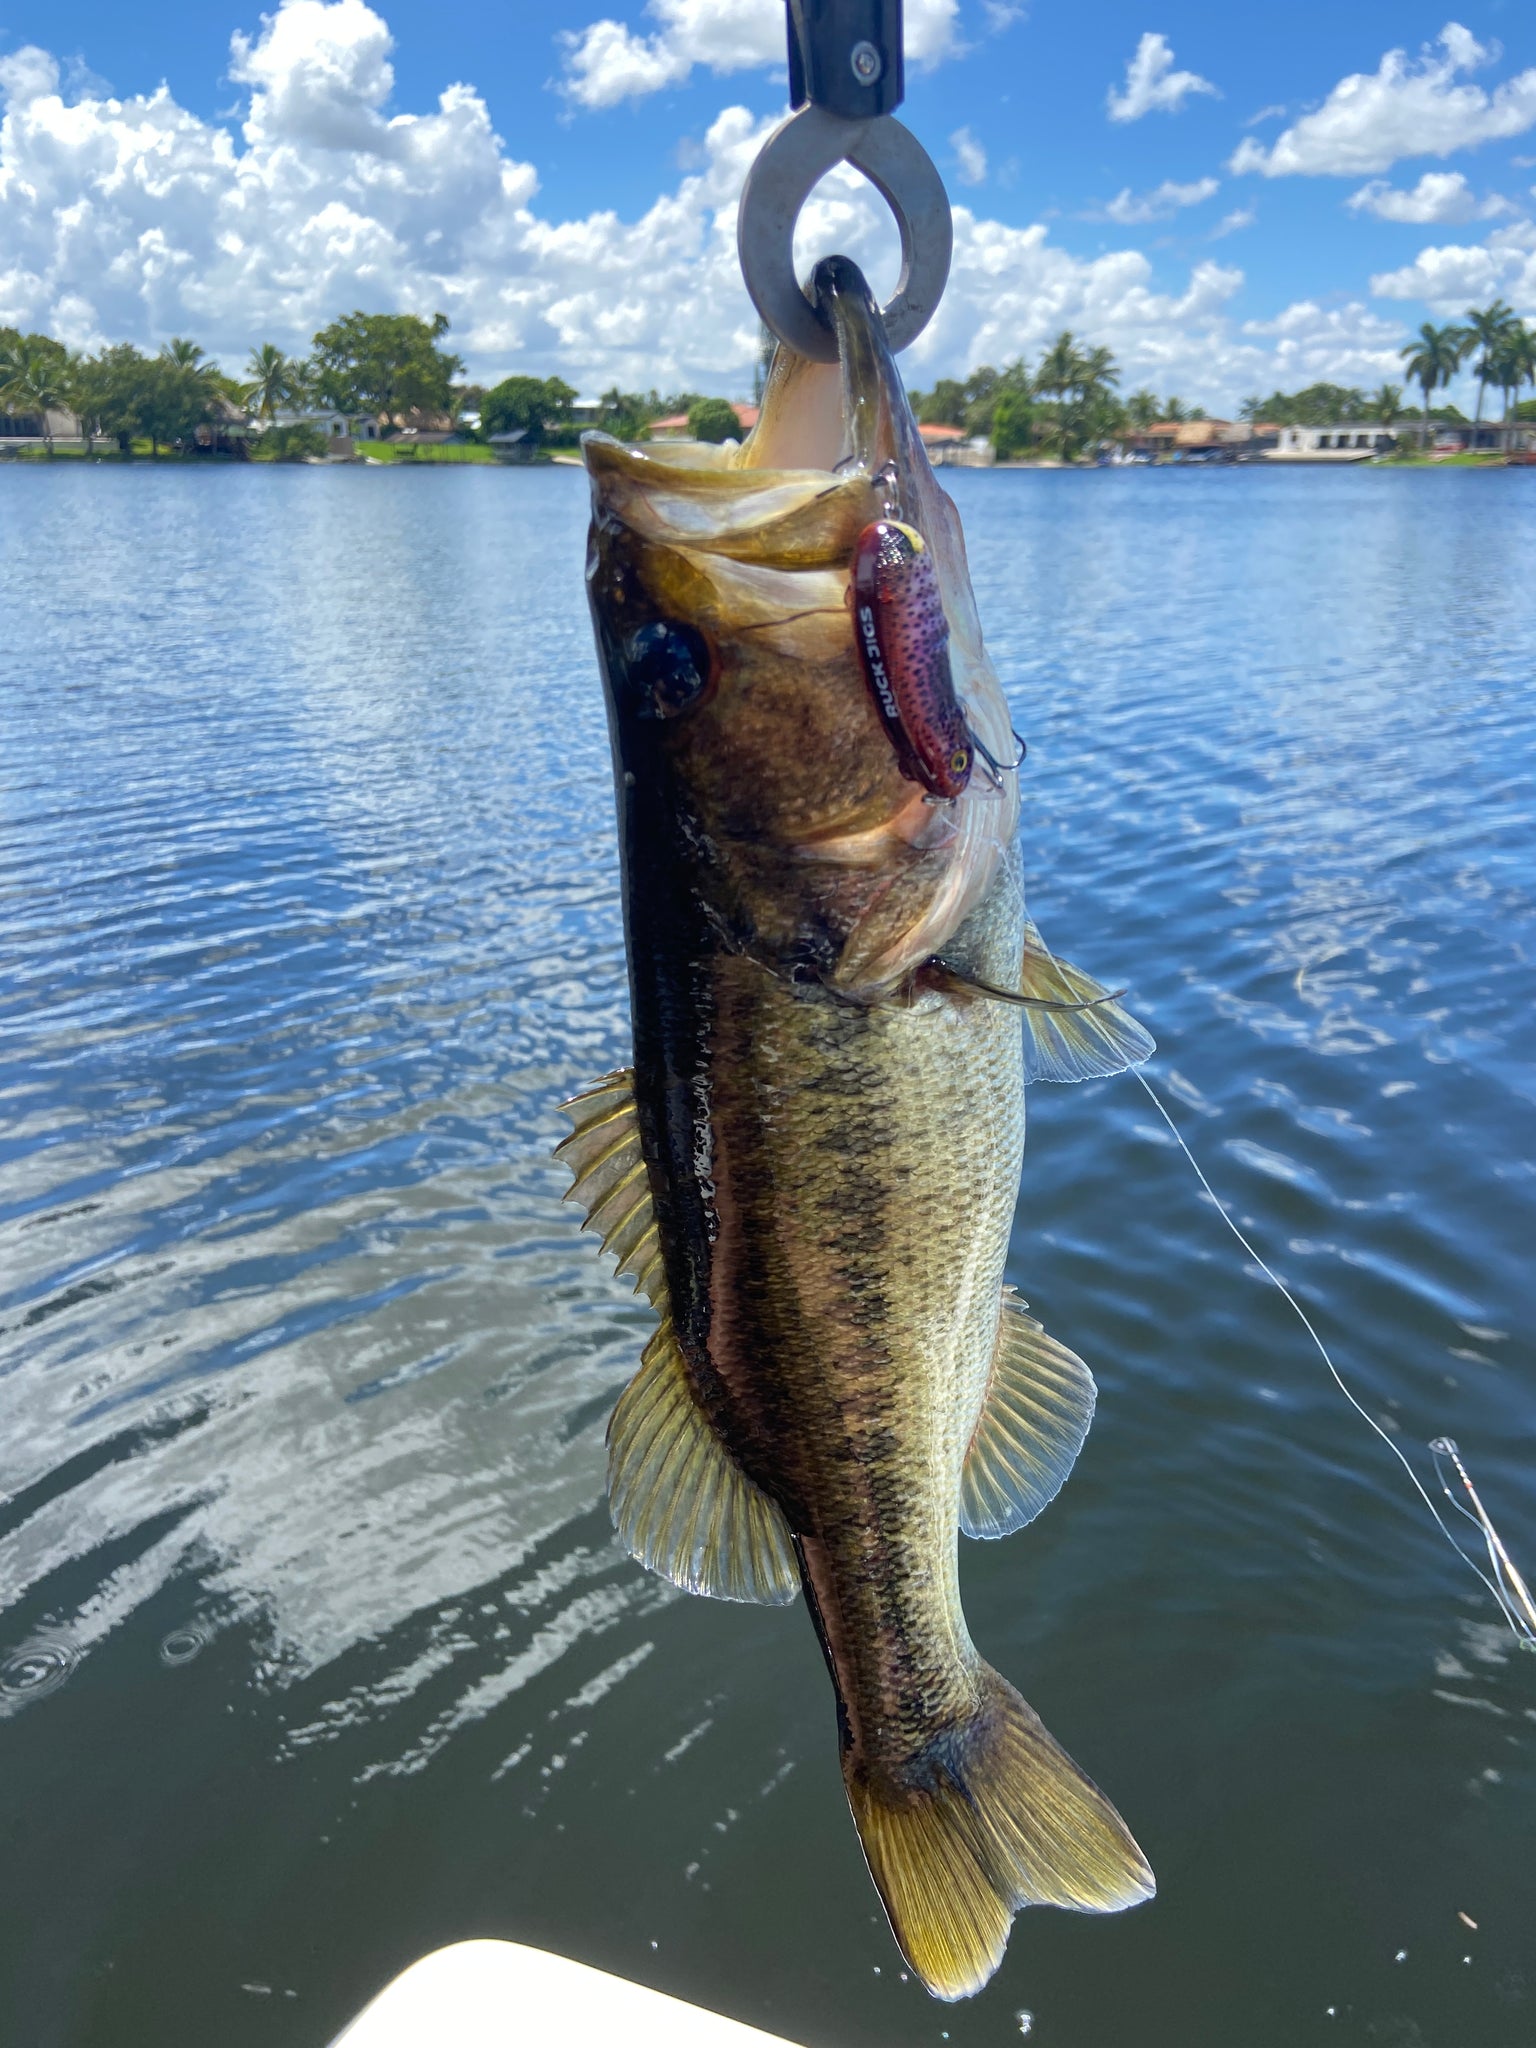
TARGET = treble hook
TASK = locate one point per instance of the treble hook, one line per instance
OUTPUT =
(999, 769)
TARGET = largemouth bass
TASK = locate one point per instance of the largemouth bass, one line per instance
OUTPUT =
(812, 1167)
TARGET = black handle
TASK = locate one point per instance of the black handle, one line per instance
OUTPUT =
(845, 56)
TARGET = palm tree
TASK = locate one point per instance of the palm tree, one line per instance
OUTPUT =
(1093, 414)
(1061, 366)
(1510, 361)
(1520, 357)
(186, 355)
(1433, 359)
(1387, 403)
(1251, 409)
(273, 379)
(1485, 329)
(1141, 409)
(1173, 410)
(32, 379)
(1097, 371)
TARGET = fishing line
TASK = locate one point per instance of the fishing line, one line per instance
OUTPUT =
(1503, 1595)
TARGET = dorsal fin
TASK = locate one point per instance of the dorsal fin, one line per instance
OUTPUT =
(679, 1500)
(1038, 1406)
(1074, 1044)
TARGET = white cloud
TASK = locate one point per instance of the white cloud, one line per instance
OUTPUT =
(320, 75)
(1130, 208)
(28, 74)
(1455, 276)
(133, 219)
(970, 157)
(1309, 344)
(1152, 86)
(1274, 113)
(1401, 109)
(607, 61)
(1230, 223)
(1439, 196)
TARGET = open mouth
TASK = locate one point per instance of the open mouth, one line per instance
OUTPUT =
(839, 417)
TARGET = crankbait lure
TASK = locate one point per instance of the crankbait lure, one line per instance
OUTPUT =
(903, 642)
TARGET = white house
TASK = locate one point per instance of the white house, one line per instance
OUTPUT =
(1348, 441)
(336, 426)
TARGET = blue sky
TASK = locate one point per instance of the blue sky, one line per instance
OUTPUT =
(1228, 198)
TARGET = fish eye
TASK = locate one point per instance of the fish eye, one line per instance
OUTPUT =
(669, 667)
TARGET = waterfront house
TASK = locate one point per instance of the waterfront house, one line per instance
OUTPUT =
(1200, 440)
(1488, 437)
(226, 431)
(953, 448)
(342, 430)
(1344, 441)
(25, 430)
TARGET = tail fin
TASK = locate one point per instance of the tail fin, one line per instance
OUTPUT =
(995, 1817)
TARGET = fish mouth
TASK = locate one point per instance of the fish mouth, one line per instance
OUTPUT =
(847, 416)
(844, 301)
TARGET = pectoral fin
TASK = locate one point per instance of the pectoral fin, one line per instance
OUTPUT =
(1088, 1036)
(1074, 1027)
(1038, 1406)
(681, 1502)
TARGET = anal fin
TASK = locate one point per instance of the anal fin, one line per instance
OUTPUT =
(1038, 1406)
(679, 1500)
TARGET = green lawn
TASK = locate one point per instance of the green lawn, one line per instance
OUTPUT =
(1412, 459)
(449, 451)
(379, 451)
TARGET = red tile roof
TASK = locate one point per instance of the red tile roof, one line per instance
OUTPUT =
(676, 422)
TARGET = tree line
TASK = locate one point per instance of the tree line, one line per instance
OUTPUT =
(396, 369)
(1068, 401)
(1506, 362)
(393, 368)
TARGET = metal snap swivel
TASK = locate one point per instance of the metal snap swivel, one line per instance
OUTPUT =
(798, 154)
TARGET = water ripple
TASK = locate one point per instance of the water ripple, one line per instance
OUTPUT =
(309, 919)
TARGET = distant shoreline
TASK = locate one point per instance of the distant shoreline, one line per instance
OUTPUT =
(475, 456)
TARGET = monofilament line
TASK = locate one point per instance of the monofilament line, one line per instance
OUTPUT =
(1507, 1607)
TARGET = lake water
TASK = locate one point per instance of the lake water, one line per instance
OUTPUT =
(316, 1650)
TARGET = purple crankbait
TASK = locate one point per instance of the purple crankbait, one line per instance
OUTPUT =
(903, 642)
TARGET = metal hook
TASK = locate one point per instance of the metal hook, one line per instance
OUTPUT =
(794, 158)
(846, 77)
